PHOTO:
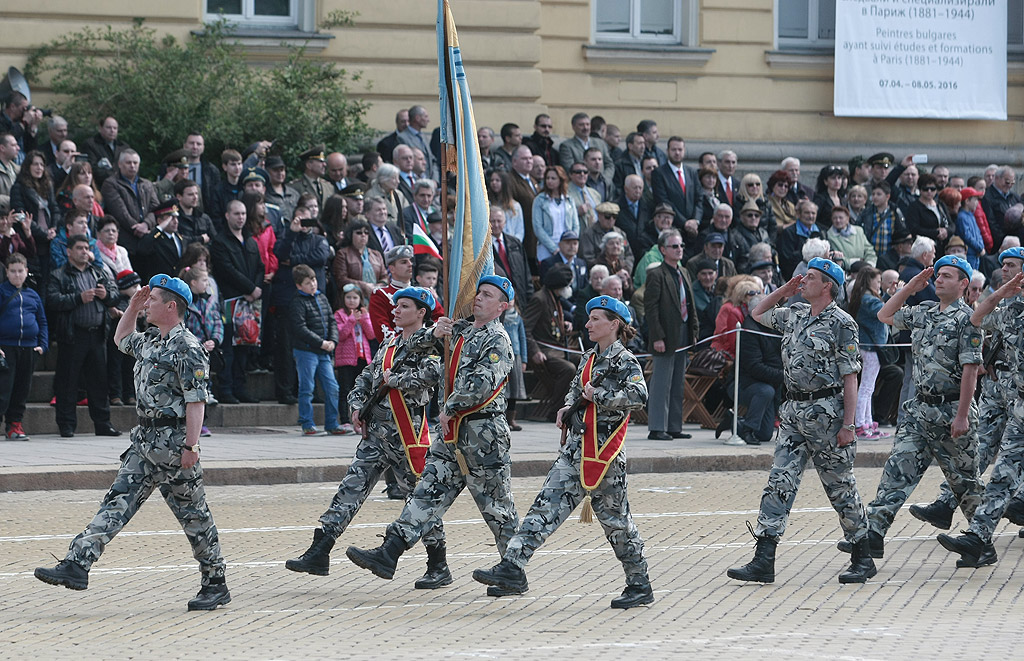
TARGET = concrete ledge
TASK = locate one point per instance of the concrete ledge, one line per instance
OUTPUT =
(221, 473)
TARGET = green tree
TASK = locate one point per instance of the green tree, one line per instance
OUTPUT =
(160, 88)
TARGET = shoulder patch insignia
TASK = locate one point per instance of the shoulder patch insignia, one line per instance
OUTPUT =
(851, 347)
(636, 378)
(494, 357)
(200, 373)
(975, 341)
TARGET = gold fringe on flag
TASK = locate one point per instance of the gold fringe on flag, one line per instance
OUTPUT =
(587, 512)
(461, 461)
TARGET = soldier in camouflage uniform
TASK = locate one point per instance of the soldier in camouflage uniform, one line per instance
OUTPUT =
(475, 409)
(171, 383)
(975, 546)
(998, 397)
(621, 389)
(821, 358)
(414, 376)
(941, 421)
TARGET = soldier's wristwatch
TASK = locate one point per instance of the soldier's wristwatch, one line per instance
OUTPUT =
(850, 427)
(191, 448)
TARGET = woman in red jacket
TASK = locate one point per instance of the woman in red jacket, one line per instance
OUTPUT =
(734, 310)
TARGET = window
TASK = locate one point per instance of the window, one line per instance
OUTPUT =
(811, 24)
(255, 13)
(642, 21)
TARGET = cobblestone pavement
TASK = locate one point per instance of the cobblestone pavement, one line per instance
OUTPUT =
(919, 605)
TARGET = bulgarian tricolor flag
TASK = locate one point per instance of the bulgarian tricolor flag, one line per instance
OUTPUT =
(422, 244)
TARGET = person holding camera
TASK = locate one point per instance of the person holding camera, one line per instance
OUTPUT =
(23, 335)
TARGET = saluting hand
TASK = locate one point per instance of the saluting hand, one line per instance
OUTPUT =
(919, 281)
(792, 287)
(139, 299)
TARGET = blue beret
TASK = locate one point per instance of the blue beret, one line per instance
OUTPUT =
(829, 268)
(173, 285)
(419, 295)
(955, 262)
(611, 305)
(1016, 251)
(501, 283)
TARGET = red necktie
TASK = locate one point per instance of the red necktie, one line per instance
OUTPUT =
(682, 182)
(503, 256)
(728, 189)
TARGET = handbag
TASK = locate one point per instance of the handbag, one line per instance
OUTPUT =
(708, 362)
(246, 320)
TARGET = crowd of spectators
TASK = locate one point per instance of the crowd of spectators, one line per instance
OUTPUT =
(687, 243)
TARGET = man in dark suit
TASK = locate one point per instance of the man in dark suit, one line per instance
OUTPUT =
(671, 323)
(161, 250)
(797, 191)
(634, 215)
(384, 235)
(575, 148)
(387, 144)
(523, 192)
(509, 256)
(728, 184)
(676, 184)
(103, 149)
(414, 136)
(405, 161)
(791, 240)
(420, 209)
(568, 249)
(631, 161)
(204, 173)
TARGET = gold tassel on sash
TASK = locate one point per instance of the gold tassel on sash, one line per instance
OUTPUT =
(461, 461)
(587, 512)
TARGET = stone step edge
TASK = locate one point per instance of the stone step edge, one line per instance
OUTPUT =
(265, 472)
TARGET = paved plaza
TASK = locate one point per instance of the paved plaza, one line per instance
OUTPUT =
(919, 605)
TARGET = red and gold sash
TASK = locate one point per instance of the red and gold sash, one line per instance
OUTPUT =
(452, 432)
(597, 458)
(415, 443)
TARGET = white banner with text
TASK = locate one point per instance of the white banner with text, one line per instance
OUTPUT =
(938, 59)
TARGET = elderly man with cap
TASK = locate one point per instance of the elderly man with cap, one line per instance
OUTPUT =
(171, 379)
(175, 169)
(313, 167)
(399, 261)
(999, 388)
(820, 365)
(284, 196)
(940, 422)
(548, 325)
(472, 449)
(353, 195)
(590, 238)
(393, 392)
(568, 254)
(161, 250)
(745, 234)
(714, 249)
(900, 247)
(590, 467)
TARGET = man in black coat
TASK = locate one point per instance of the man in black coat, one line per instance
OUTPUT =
(160, 251)
(634, 214)
(387, 144)
(760, 381)
(568, 254)
(676, 184)
(509, 256)
(103, 149)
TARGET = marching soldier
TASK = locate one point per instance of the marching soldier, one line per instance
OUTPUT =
(941, 421)
(171, 382)
(398, 383)
(473, 451)
(590, 466)
(975, 546)
(821, 358)
(998, 397)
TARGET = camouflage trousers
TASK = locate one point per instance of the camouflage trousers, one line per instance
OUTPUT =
(994, 405)
(154, 462)
(809, 431)
(485, 446)
(380, 450)
(560, 495)
(1007, 477)
(924, 435)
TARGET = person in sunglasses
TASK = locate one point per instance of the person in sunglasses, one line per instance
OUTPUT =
(926, 217)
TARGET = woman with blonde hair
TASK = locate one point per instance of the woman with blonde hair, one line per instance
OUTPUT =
(741, 290)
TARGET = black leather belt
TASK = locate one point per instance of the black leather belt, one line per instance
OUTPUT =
(479, 416)
(937, 399)
(817, 394)
(166, 421)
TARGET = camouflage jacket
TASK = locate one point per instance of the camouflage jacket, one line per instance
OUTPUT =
(622, 389)
(1007, 320)
(416, 377)
(169, 371)
(484, 364)
(943, 342)
(817, 350)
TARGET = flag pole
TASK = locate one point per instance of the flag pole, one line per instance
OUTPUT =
(444, 259)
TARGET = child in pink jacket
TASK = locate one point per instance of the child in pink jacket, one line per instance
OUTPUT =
(353, 351)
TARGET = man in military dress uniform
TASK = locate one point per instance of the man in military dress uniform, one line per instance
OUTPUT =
(590, 465)
(171, 383)
(975, 546)
(941, 421)
(397, 438)
(821, 358)
(998, 397)
(314, 165)
(473, 450)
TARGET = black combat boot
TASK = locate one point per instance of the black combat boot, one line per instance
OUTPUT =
(67, 573)
(862, 567)
(317, 558)
(504, 578)
(213, 594)
(635, 595)
(876, 545)
(762, 568)
(382, 560)
(1015, 512)
(974, 552)
(938, 514)
(438, 575)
